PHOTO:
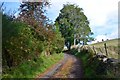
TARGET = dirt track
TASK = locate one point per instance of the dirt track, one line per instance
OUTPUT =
(69, 67)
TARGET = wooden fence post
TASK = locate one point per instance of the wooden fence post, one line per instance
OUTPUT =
(94, 50)
(106, 49)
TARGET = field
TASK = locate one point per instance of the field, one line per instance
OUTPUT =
(111, 50)
(113, 42)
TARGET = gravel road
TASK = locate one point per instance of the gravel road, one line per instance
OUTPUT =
(75, 71)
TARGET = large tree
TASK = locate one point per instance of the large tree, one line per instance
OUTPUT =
(73, 24)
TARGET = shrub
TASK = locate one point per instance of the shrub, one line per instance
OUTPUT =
(19, 43)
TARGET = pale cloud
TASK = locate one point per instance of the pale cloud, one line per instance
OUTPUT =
(95, 10)
(99, 38)
(113, 35)
(110, 32)
(111, 26)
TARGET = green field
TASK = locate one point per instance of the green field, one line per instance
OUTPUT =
(112, 47)
(113, 42)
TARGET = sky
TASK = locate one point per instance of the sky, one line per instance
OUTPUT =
(102, 15)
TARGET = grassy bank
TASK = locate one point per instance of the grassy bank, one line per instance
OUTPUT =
(93, 67)
(89, 70)
(30, 69)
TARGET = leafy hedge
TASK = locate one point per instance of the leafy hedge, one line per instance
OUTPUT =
(21, 43)
(18, 42)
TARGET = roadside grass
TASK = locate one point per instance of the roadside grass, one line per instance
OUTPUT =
(30, 69)
(90, 64)
(88, 72)
(93, 67)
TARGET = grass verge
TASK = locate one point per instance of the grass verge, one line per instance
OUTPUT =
(30, 69)
(89, 65)
(95, 68)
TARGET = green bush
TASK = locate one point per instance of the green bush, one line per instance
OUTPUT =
(19, 43)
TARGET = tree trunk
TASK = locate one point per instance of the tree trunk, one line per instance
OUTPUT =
(74, 41)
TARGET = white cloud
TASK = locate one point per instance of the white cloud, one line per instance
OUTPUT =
(99, 38)
(113, 35)
(95, 10)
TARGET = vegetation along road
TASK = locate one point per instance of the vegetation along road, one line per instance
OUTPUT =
(69, 67)
(33, 45)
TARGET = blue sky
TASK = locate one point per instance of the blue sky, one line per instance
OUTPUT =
(10, 7)
(102, 14)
